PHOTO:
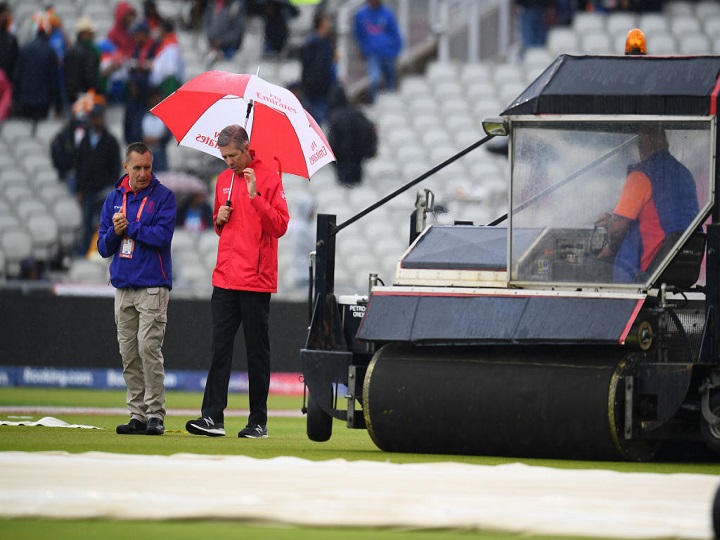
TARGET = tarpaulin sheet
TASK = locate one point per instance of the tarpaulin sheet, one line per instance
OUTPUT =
(514, 498)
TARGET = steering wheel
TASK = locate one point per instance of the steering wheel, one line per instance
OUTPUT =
(598, 239)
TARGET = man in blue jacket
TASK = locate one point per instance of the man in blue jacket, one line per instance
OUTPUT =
(137, 223)
(378, 38)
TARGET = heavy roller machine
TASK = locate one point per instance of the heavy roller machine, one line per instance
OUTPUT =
(514, 338)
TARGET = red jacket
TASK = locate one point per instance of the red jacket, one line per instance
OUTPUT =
(247, 256)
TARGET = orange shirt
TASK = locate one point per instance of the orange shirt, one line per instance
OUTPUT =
(636, 204)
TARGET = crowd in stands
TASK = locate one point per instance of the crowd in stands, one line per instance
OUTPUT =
(76, 75)
(537, 17)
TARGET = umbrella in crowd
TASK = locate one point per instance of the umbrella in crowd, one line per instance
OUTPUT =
(182, 183)
(278, 126)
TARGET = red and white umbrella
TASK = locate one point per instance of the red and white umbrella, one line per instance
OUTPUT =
(278, 125)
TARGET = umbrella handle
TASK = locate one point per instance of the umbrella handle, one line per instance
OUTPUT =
(247, 113)
(232, 181)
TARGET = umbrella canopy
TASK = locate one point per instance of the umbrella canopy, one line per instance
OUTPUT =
(278, 125)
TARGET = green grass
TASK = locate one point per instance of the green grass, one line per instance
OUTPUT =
(287, 438)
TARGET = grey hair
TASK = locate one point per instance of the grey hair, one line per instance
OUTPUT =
(235, 135)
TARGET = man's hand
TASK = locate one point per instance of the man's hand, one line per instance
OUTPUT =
(603, 220)
(250, 181)
(223, 215)
(120, 223)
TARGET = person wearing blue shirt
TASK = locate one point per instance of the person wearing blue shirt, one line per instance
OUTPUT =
(378, 38)
(137, 223)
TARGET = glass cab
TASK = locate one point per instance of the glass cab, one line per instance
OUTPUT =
(605, 202)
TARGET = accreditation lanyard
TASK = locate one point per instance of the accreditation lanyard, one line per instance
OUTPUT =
(127, 246)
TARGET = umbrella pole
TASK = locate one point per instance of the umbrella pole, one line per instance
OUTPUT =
(232, 181)
(247, 113)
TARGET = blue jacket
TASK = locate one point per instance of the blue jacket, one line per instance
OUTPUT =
(151, 264)
(676, 204)
(376, 32)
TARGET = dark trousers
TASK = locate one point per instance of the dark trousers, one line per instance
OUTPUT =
(230, 309)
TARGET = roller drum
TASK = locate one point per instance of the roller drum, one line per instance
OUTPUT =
(551, 402)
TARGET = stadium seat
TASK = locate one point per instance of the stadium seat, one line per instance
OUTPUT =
(9, 221)
(15, 129)
(705, 9)
(208, 244)
(597, 43)
(684, 26)
(26, 208)
(17, 192)
(480, 90)
(563, 41)
(440, 71)
(694, 44)
(588, 22)
(51, 191)
(69, 217)
(87, 271)
(507, 73)
(538, 56)
(711, 26)
(474, 72)
(675, 8)
(16, 244)
(27, 147)
(652, 23)
(619, 23)
(661, 44)
(36, 162)
(44, 232)
(413, 86)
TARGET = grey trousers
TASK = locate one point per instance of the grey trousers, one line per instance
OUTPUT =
(141, 317)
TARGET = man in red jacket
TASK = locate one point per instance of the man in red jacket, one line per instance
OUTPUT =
(250, 214)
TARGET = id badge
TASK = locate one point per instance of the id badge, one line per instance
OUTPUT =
(127, 247)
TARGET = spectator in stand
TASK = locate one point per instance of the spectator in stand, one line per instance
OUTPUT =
(97, 168)
(224, 27)
(277, 14)
(531, 18)
(116, 51)
(378, 38)
(155, 133)
(65, 144)
(195, 214)
(352, 136)
(168, 68)
(5, 96)
(59, 43)
(113, 71)
(194, 18)
(138, 88)
(119, 34)
(152, 17)
(9, 48)
(318, 68)
(82, 61)
(35, 82)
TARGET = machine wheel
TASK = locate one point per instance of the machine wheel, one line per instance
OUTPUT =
(711, 434)
(319, 423)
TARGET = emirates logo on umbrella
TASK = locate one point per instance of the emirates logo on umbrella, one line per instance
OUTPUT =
(278, 126)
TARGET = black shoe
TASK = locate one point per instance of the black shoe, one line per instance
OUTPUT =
(155, 427)
(205, 426)
(253, 431)
(133, 427)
